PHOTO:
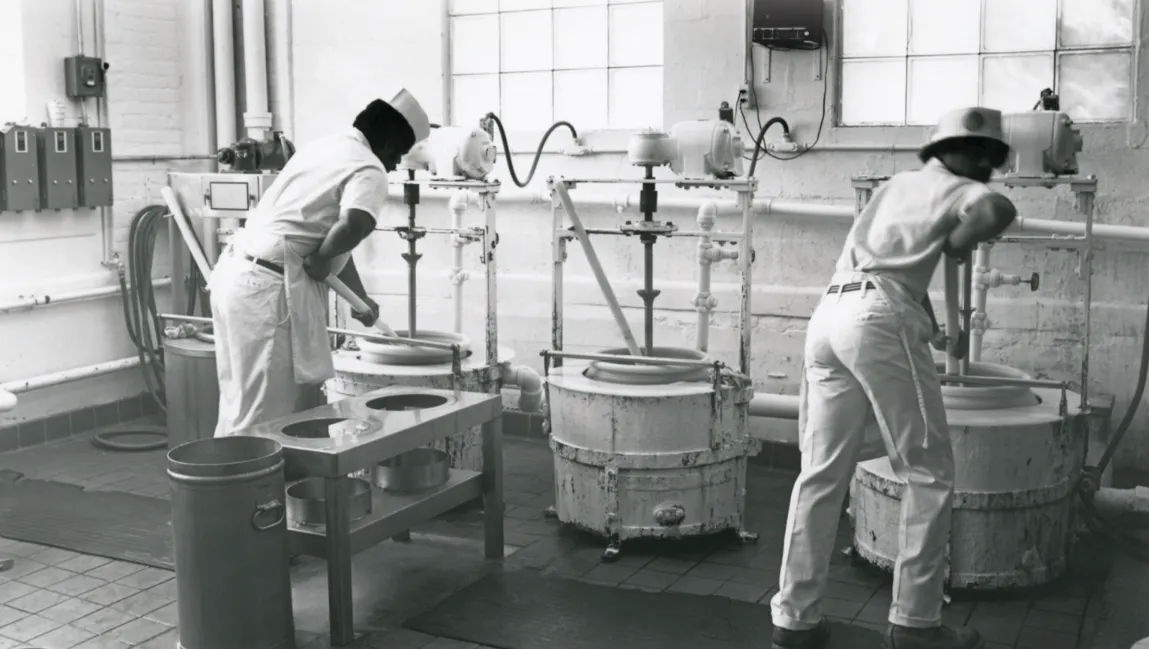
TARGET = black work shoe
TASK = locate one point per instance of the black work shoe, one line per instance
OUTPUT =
(938, 637)
(810, 639)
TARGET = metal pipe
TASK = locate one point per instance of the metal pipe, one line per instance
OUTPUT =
(703, 302)
(163, 158)
(458, 206)
(635, 359)
(490, 259)
(256, 116)
(558, 258)
(283, 90)
(7, 401)
(991, 381)
(34, 301)
(745, 262)
(223, 61)
(980, 298)
(530, 386)
(953, 320)
(649, 205)
(67, 376)
(775, 406)
(966, 309)
(1085, 206)
(560, 190)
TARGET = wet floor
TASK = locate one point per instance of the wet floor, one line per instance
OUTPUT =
(58, 599)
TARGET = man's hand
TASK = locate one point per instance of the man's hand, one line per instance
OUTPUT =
(368, 317)
(319, 268)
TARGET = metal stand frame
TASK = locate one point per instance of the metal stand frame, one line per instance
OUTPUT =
(648, 231)
(1084, 189)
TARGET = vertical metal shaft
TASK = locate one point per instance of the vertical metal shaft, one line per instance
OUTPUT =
(1084, 198)
(558, 254)
(967, 309)
(411, 197)
(648, 202)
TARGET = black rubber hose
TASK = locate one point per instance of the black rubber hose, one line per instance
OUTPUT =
(762, 136)
(145, 329)
(538, 152)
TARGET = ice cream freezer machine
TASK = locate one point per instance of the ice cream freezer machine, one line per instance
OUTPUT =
(338, 439)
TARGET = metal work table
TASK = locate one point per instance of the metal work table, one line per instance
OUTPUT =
(375, 427)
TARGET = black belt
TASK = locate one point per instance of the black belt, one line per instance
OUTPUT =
(849, 288)
(275, 268)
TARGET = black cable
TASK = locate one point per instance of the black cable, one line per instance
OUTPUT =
(538, 152)
(758, 142)
(825, 96)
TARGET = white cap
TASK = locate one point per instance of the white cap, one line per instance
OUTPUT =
(407, 106)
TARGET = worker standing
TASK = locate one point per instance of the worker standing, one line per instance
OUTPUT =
(268, 299)
(868, 359)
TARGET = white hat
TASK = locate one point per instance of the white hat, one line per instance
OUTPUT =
(962, 123)
(407, 106)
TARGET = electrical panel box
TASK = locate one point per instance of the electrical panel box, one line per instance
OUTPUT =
(788, 24)
(94, 166)
(83, 77)
(58, 190)
(19, 169)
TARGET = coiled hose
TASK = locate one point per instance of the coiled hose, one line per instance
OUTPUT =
(538, 152)
(144, 326)
(1097, 522)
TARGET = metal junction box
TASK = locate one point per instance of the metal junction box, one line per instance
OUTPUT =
(58, 190)
(790, 24)
(94, 166)
(83, 77)
(19, 169)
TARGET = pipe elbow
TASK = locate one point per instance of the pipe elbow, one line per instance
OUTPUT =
(775, 406)
(458, 203)
(7, 400)
(530, 386)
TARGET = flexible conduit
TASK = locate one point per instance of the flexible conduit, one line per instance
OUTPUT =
(538, 152)
(141, 316)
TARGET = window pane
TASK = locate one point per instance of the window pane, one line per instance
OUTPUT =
(938, 84)
(1020, 25)
(1013, 83)
(945, 26)
(526, 42)
(580, 38)
(459, 7)
(636, 98)
(526, 100)
(874, 27)
(873, 91)
(472, 40)
(581, 98)
(1095, 85)
(1086, 23)
(519, 5)
(636, 34)
(579, 3)
(472, 97)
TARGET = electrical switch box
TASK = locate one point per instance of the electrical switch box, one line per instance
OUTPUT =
(83, 77)
(58, 190)
(788, 24)
(19, 169)
(94, 166)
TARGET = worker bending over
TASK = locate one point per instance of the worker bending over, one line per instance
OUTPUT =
(868, 360)
(268, 299)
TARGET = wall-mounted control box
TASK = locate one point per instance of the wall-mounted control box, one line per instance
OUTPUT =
(58, 171)
(788, 24)
(83, 77)
(94, 166)
(19, 169)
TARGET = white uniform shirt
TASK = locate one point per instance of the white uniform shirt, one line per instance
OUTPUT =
(901, 231)
(328, 175)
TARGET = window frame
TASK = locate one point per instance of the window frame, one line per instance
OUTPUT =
(904, 133)
(527, 140)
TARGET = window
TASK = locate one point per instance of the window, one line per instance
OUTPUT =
(595, 63)
(908, 61)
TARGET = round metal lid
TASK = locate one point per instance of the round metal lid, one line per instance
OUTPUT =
(630, 373)
(389, 354)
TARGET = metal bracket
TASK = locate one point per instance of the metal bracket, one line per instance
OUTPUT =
(648, 228)
(410, 234)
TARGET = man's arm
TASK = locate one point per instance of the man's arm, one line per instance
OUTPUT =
(983, 218)
(350, 276)
(353, 226)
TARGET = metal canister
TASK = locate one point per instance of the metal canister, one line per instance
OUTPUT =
(230, 533)
(192, 390)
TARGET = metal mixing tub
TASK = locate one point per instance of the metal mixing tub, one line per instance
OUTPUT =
(307, 501)
(415, 470)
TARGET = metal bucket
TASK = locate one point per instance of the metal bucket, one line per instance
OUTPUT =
(192, 390)
(307, 501)
(230, 535)
(415, 470)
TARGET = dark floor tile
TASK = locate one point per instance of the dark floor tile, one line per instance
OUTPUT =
(652, 579)
(1059, 622)
(742, 592)
(609, 572)
(843, 608)
(695, 586)
(1035, 638)
(671, 565)
(31, 433)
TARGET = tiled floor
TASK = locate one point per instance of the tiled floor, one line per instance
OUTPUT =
(56, 599)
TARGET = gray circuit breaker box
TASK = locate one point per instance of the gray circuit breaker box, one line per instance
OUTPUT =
(94, 168)
(19, 169)
(58, 190)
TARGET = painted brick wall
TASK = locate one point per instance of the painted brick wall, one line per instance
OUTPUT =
(51, 252)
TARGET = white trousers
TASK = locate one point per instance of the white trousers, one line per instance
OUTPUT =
(868, 360)
(252, 345)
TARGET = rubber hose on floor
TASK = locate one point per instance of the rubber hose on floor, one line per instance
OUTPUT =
(106, 439)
